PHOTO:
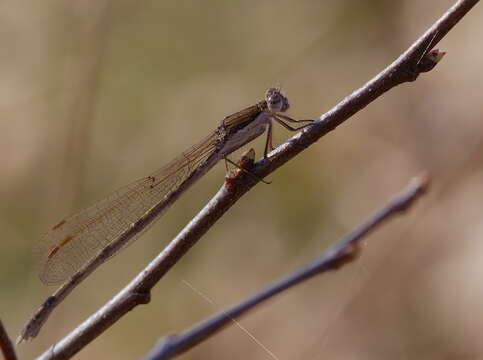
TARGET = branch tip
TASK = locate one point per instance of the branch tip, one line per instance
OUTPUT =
(422, 181)
(417, 186)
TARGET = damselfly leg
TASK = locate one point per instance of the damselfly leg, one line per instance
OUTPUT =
(280, 118)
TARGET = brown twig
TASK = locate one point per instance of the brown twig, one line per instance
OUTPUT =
(6, 344)
(405, 69)
(339, 254)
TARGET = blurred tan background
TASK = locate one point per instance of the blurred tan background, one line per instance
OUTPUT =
(95, 94)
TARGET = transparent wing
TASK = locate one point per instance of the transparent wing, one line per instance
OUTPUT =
(71, 243)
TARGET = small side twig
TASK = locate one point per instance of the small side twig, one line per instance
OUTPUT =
(6, 344)
(339, 254)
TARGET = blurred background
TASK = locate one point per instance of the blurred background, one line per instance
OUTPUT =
(97, 94)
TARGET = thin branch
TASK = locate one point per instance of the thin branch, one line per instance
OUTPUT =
(6, 344)
(339, 254)
(405, 69)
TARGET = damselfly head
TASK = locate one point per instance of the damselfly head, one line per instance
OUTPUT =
(276, 101)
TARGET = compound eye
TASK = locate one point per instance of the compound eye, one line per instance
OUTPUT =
(275, 102)
(271, 91)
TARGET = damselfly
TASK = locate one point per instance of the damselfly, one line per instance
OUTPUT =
(119, 218)
(74, 247)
